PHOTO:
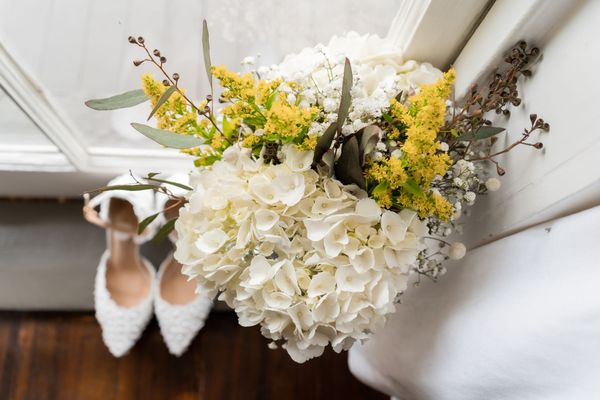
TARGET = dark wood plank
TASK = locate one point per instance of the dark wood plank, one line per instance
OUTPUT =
(61, 356)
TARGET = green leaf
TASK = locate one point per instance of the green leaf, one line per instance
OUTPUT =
(368, 140)
(324, 143)
(179, 185)
(161, 100)
(381, 187)
(147, 221)
(124, 100)
(255, 121)
(483, 132)
(347, 168)
(168, 138)
(270, 100)
(131, 188)
(412, 187)
(346, 99)
(164, 231)
(206, 52)
(228, 128)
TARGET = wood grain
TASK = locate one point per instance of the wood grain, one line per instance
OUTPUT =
(61, 356)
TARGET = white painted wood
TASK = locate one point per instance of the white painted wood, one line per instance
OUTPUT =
(507, 22)
(435, 30)
(564, 177)
(34, 101)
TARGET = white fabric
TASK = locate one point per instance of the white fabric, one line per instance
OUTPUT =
(518, 318)
(179, 323)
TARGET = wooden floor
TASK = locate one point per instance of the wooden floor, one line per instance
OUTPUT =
(61, 356)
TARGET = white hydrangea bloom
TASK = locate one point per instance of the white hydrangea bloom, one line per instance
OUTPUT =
(315, 263)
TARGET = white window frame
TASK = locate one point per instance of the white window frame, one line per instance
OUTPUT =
(470, 34)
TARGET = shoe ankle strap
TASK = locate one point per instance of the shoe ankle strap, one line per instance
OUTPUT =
(92, 216)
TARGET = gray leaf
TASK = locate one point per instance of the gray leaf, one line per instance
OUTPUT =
(161, 100)
(168, 138)
(124, 100)
(347, 168)
(483, 132)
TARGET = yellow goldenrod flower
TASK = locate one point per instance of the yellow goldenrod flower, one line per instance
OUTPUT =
(422, 118)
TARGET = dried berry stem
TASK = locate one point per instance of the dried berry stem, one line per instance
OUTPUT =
(172, 81)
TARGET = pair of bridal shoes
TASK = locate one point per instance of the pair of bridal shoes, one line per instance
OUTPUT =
(127, 289)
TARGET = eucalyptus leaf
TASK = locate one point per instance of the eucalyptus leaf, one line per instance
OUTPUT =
(347, 168)
(179, 185)
(124, 100)
(206, 52)
(483, 132)
(162, 99)
(346, 99)
(145, 222)
(168, 138)
(164, 231)
(368, 140)
(130, 188)
(324, 143)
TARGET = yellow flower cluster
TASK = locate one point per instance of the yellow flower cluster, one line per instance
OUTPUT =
(309, 142)
(288, 120)
(392, 176)
(259, 103)
(236, 86)
(174, 115)
(408, 180)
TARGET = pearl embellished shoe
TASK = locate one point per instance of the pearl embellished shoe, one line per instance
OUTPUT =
(121, 326)
(124, 284)
(180, 311)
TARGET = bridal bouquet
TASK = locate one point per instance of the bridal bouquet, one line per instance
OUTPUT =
(323, 183)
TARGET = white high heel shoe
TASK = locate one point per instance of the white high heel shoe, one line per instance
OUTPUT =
(179, 323)
(124, 284)
(180, 311)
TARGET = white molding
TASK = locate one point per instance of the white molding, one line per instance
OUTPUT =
(36, 103)
(435, 30)
(49, 117)
(28, 157)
